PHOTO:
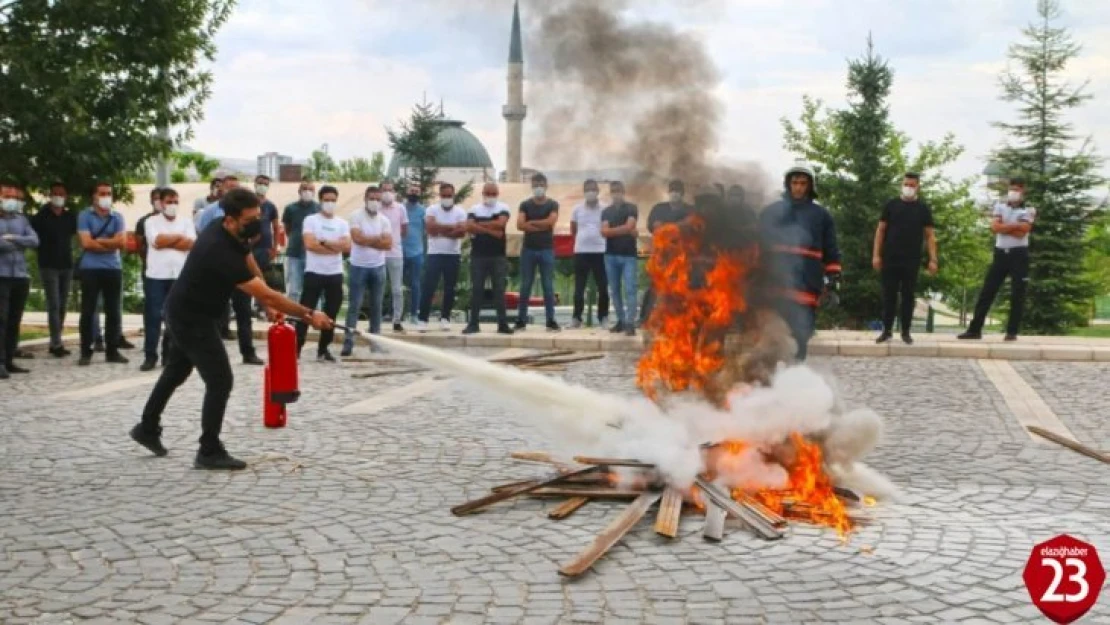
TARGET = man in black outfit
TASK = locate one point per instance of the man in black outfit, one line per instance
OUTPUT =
(673, 211)
(486, 225)
(905, 223)
(219, 263)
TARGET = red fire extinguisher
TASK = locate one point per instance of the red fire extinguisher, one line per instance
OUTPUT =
(281, 384)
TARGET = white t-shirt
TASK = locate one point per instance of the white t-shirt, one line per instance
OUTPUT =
(166, 263)
(443, 217)
(397, 216)
(589, 239)
(369, 226)
(1012, 215)
(325, 229)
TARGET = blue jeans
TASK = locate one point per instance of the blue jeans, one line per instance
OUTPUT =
(413, 273)
(621, 273)
(154, 300)
(529, 259)
(447, 267)
(294, 278)
(358, 280)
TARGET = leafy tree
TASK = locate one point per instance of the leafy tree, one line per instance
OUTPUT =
(203, 165)
(321, 166)
(87, 83)
(418, 145)
(360, 169)
(860, 158)
(1060, 175)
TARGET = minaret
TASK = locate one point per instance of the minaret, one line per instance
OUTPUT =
(515, 111)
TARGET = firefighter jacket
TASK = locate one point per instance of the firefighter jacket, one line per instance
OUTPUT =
(798, 240)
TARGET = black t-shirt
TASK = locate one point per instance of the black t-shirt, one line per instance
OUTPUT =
(214, 267)
(484, 245)
(664, 213)
(615, 216)
(536, 212)
(905, 231)
(56, 234)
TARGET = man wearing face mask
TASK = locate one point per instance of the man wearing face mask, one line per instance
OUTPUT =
(16, 236)
(326, 239)
(906, 223)
(618, 226)
(673, 211)
(589, 255)
(536, 219)
(220, 262)
(1012, 223)
(412, 245)
(446, 224)
(486, 225)
(371, 238)
(395, 257)
(265, 249)
(292, 219)
(103, 235)
(170, 237)
(56, 227)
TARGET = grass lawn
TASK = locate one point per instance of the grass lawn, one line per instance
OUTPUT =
(29, 334)
(1099, 331)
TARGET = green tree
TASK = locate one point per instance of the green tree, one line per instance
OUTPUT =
(419, 146)
(321, 166)
(1060, 175)
(109, 74)
(360, 169)
(860, 158)
(203, 165)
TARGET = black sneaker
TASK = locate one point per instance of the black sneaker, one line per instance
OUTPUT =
(148, 439)
(325, 357)
(504, 329)
(345, 352)
(98, 346)
(907, 339)
(116, 358)
(398, 328)
(125, 344)
(553, 326)
(253, 359)
(59, 352)
(970, 336)
(630, 331)
(218, 461)
(471, 330)
(884, 337)
(1010, 337)
(85, 360)
(149, 364)
(617, 328)
(520, 326)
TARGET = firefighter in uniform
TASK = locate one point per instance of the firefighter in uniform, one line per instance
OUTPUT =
(802, 261)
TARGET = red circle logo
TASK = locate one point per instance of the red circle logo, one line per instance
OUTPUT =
(1063, 577)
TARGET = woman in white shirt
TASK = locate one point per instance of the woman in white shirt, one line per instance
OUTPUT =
(326, 239)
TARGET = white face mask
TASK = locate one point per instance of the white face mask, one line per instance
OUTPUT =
(676, 197)
(10, 205)
(104, 202)
(489, 201)
(327, 207)
(306, 196)
(1014, 196)
(387, 198)
(57, 201)
(591, 196)
(447, 202)
(261, 189)
(372, 206)
(539, 191)
(170, 210)
(908, 192)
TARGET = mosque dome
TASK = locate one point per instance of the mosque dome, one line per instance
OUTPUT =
(462, 150)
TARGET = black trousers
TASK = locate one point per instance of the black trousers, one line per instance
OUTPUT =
(194, 344)
(106, 283)
(1013, 262)
(332, 289)
(13, 299)
(496, 269)
(586, 265)
(241, 305)
(898, 280)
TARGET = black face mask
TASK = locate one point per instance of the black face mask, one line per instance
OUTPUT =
(250, 230)
(413, 198)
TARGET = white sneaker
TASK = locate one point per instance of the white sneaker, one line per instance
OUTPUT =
(421, 326)
(444, 325)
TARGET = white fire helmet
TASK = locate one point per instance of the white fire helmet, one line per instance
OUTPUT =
(802, 167)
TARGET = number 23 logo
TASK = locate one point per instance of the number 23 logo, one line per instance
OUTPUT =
(1079, 577)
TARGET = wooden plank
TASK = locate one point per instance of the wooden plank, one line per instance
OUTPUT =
(666, 521)
(768, 515)
(740, 511)
(380, 374)
(611, 534)
(714, 522)
(540, 457)
(593, 493)
(501, 487)
(567, 508)
(564, 361)
(531, 357)
(613, 462)
(509, 493)
(1069, 443)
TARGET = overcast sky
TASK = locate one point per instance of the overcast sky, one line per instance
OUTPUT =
(291, 75)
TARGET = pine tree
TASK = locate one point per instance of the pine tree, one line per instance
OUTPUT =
(1041, 148)
(418, 146)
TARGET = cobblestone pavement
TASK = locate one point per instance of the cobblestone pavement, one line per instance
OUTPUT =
(343, 518)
